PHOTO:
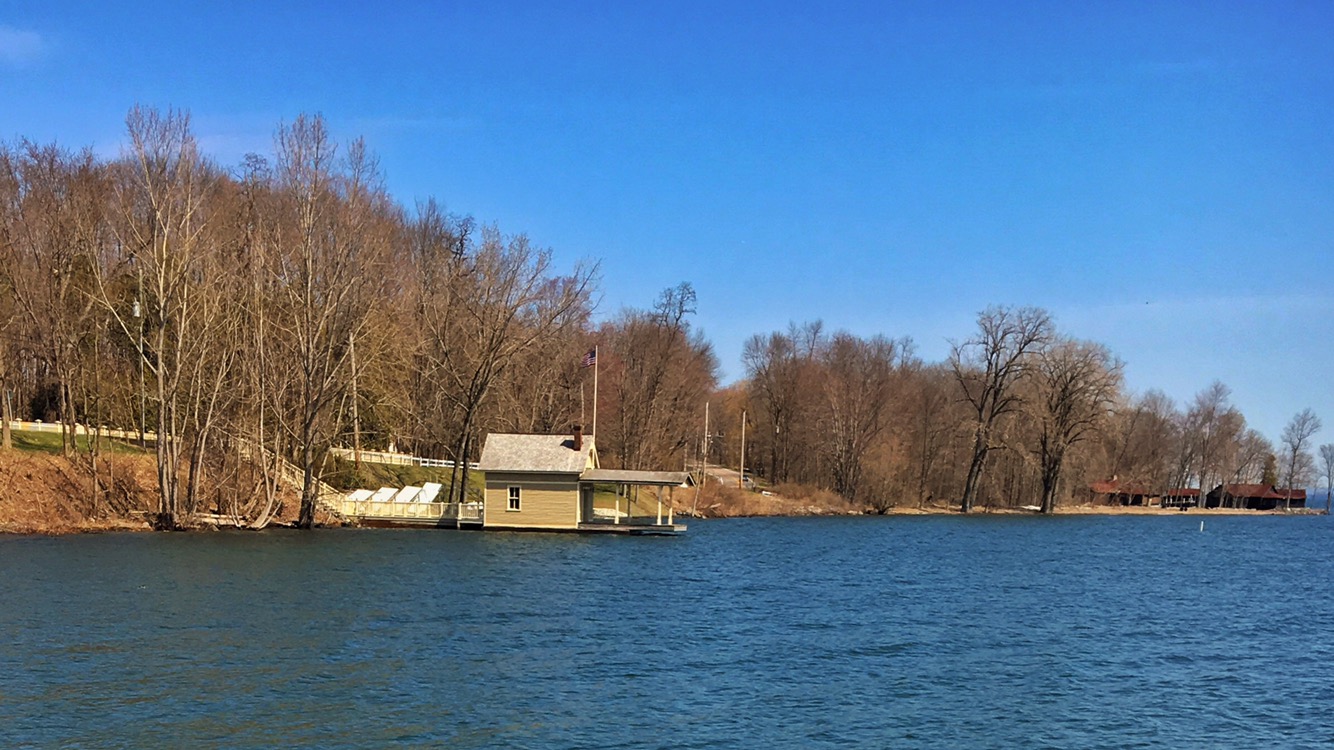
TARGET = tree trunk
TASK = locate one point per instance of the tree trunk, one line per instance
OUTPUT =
(166, 470)
(974, 472)
(309, 491)
(458, 476)
(6, 440)
(1051, 479)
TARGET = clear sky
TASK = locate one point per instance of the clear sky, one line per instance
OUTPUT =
(1159, 175)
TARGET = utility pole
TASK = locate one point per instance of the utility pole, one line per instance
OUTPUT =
(742, 479)
(704, 462)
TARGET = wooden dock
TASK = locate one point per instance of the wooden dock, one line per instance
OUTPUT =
(428, 515)
(635, 529)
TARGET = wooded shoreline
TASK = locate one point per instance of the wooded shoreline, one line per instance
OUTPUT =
(259, 315)
(48, 495)
(104, 526)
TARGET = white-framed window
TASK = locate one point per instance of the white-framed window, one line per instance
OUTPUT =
(513, 499)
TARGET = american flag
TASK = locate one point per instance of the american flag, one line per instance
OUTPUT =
(589, 359)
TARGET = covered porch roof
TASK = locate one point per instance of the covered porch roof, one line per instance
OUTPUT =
(642, 478)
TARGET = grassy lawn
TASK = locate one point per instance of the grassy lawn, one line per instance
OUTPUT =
(49, 442)
(604, 496)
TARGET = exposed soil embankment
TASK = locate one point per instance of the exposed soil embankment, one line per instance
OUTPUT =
(45, 493)
(51, 494)
(719, 500)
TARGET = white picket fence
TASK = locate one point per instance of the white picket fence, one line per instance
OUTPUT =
(79, 429)
(394, 459)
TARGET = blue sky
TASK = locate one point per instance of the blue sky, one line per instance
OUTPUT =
(1159, 175)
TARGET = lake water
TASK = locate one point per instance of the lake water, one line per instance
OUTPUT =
(947, 632)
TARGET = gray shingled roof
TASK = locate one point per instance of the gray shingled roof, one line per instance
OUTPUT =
(538, 453)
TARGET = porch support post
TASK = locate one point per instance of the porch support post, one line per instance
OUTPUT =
(658, 492)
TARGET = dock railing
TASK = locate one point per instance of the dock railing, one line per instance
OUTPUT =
(389, 510)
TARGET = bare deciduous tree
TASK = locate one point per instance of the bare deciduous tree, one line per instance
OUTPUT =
(512, 301)
(54, 227)
(9, 199)
(934, 421)
(781, 371)
(1076, 383)
(163, 190)
(1211, 431)
(987, 368)
(1144, 439)
(659, 372)
(858, 388)
(329, 269)
(1298, 464)
(1327, 467)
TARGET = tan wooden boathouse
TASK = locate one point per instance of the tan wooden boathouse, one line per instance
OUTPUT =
(554, 483)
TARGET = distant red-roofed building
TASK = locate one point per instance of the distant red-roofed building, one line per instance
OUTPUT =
(1181, 497)
(1115, 492)
(1255, 497)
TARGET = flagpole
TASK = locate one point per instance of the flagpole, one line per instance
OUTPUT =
(595, 394)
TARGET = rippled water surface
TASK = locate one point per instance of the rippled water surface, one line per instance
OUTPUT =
(855, 632)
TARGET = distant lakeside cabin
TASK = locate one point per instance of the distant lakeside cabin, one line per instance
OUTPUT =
(554, 483)
(1255, 497)
(1241, 496)
(1114, 492)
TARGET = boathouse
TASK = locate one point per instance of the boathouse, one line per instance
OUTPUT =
(554, 483)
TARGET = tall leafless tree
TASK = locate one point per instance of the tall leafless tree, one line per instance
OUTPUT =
(1077, 383)
(9, 201)
(1211, 431)
(1327, 467)
(1143, 438)
(987, 368)
(54, 227)
(512, 301)
(781, 373)
(859, 385)
(329, 269)
(659, 372)
(163, 189)
(1298, 464)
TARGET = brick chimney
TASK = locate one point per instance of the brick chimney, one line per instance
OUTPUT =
(578, 437)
